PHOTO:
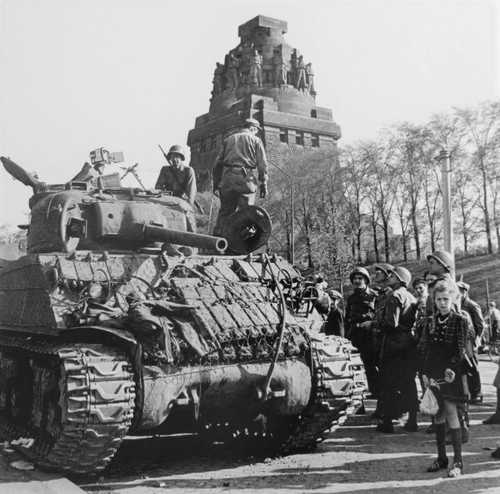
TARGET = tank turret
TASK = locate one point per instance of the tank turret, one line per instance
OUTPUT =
(102, 215)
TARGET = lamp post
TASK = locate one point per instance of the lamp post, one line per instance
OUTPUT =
(444, 158)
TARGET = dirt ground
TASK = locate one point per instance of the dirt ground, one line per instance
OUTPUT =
(354, 459)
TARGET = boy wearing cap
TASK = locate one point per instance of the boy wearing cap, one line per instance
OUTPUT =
(334, 324)
(233, 177)
(422, 293)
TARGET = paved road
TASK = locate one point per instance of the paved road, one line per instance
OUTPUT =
(354, 459)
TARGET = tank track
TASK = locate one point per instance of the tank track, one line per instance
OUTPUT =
(324, 411)
(96, 402)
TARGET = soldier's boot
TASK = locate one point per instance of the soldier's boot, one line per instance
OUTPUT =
(386, 426)
(411, 424)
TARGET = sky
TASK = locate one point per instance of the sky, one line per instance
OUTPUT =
(131, 74)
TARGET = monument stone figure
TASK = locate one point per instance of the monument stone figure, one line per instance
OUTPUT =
(280, 70)
(310, 78)
(218, 79)
(232, 72)
(300, 78)
(256, 69)
(294, 64)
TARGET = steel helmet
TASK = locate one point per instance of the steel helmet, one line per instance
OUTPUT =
(362, 271)
(384, 267)
(442, 257)
(177, 149)
(402, 274)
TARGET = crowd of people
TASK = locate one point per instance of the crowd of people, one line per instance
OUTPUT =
(427, 330)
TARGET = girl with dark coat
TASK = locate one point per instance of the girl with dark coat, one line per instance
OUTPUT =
(442, 347)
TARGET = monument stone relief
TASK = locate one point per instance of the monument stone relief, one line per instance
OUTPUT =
(265, 78)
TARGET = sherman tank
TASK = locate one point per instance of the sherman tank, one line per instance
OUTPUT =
(122, 320)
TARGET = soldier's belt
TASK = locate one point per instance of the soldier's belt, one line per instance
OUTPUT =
(239, 166)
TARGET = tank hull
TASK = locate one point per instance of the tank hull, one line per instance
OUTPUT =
(136, 343)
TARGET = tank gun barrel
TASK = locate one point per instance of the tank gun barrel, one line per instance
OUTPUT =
(159, 234)
(19, 173)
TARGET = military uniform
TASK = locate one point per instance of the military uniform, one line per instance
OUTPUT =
(475, 313)
(476, 321)
(360, 308)
(398, 355)
(180, 182)
(241, 154)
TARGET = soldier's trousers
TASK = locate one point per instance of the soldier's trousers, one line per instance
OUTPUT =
(237, 190)
(371, 370)
(398, 389)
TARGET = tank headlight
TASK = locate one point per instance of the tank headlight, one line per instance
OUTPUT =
(95, 290)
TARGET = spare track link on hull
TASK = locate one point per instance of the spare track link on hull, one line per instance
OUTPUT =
(96, 401)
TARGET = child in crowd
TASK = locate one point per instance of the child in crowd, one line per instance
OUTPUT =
(443, 349)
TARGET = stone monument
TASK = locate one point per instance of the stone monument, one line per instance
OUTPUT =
(266, 79)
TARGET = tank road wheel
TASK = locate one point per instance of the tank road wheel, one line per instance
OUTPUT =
(263, 436)
(77, 404)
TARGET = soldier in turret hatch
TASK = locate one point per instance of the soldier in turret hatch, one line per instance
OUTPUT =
(178, 178)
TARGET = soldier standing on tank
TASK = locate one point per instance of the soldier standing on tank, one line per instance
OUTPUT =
(178, 178)
(359, 314)
(234, 180)
(398, 354)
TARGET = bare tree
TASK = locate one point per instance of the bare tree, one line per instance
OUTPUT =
(410, 141)
(494, 184)
(467, 201)
(402, 211)
(381, 184)
(354, 193)
(482, 126)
